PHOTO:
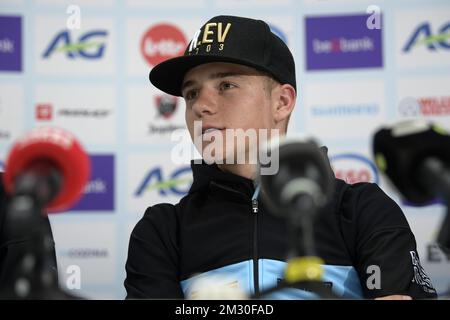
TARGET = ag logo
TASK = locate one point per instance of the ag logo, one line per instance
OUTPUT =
(162, 42)
(155, 180)
(423, 36)
(90, 45)
(166, 105)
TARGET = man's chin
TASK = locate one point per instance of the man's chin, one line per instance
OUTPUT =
(229, 159)
(210, 159)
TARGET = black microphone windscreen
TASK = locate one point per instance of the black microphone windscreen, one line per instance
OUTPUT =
(401, 150)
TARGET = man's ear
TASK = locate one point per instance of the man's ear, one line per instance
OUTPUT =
(286, 97)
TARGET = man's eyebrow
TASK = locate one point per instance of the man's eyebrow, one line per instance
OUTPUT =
(217, 75)
(220, 75)
(187, 84)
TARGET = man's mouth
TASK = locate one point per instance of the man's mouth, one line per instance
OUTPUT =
(210, 132)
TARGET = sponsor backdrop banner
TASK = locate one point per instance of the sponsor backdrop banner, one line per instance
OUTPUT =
(83, 65)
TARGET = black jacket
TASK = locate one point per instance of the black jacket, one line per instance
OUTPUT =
(214, 231)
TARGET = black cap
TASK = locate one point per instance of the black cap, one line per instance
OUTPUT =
(228, 39)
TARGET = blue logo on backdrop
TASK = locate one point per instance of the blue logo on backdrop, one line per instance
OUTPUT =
(99, 191)
(363, 109)
(423, 36)
(341, 42)
(155, 180)
(2, 166)
(90, 45)
(10, 43)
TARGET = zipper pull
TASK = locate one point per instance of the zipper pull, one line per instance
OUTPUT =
(255, 205)
(255, 199)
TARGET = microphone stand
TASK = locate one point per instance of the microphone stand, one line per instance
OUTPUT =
(35, 276)
(435, 178)
(304, 268)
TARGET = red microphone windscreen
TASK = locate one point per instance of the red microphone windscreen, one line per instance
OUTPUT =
(63, 151)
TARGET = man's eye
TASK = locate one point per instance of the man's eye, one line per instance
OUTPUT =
(191, 94)
(226, 86)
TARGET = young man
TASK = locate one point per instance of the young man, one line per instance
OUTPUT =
(236, 74)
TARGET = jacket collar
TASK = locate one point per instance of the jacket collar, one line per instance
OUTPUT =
(204, 174)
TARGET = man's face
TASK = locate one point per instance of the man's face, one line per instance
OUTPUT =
(226, 96)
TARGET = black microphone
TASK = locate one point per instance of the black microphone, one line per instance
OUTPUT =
(415, 155)
(302, 186)
(304, 182)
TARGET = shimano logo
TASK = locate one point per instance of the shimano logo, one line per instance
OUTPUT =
(346, 110)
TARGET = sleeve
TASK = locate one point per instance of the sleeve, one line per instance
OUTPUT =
(153, 257)
(387, 260)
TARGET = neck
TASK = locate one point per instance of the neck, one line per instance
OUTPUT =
(244, 170)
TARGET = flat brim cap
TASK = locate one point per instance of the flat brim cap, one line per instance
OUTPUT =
(231, 39)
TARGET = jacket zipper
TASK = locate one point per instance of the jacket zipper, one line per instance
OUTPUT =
(255, 210)
(255, 240)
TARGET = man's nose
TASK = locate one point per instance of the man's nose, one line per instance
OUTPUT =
(206, 102)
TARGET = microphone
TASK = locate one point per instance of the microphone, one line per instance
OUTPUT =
(304, 182)
(415, 155)
(302, 186)
(50, 165)
(46, 170)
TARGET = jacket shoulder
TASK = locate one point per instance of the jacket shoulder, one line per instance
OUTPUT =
(366, 200)
(158, 215)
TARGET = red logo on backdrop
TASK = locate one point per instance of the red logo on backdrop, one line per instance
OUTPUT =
(425, 106)
(161, 42)
(352, 176)
(44, 112)
(435, 106)
(354, 168)
(166, 105)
